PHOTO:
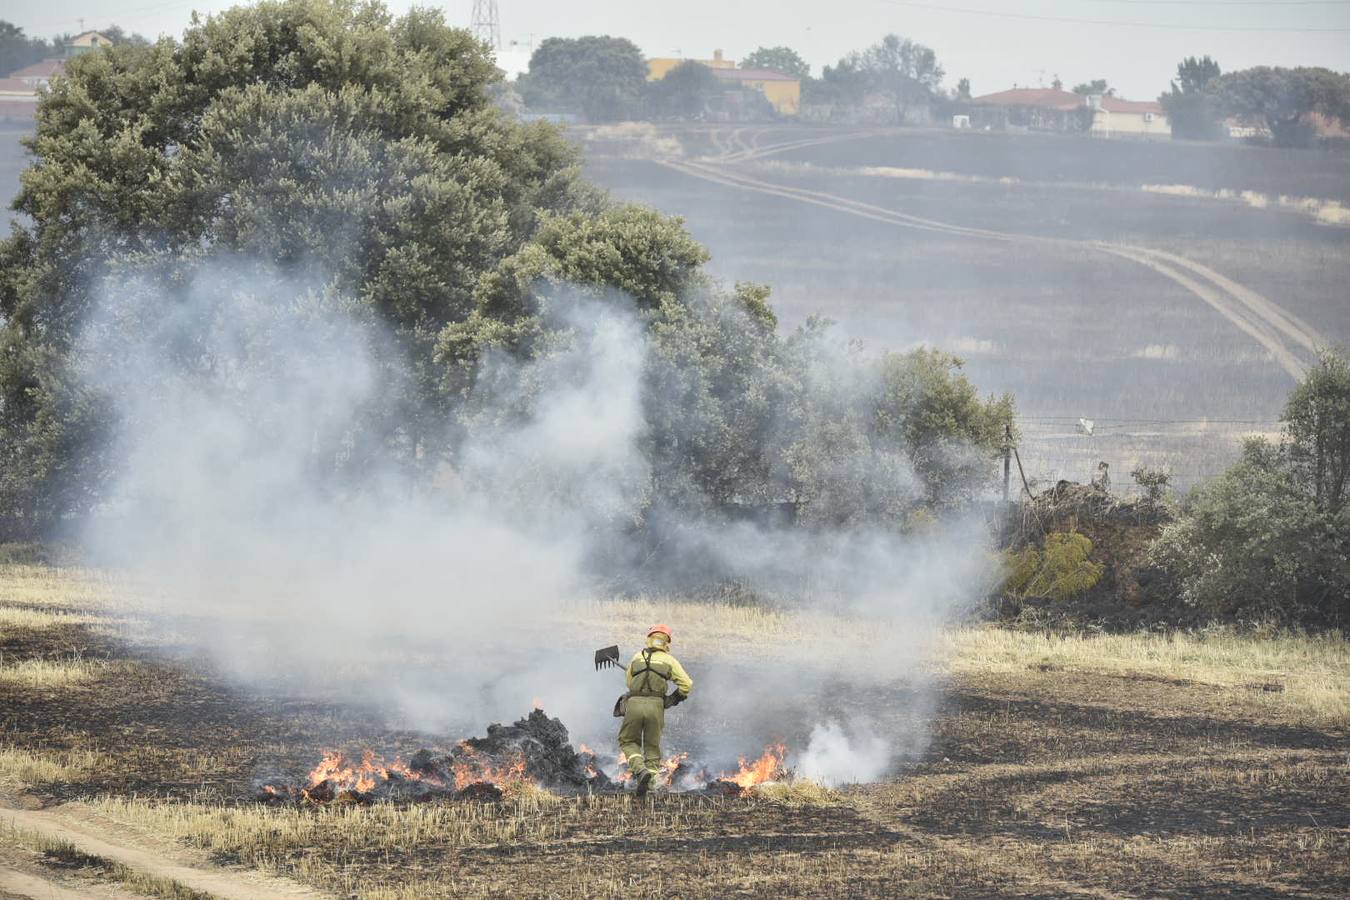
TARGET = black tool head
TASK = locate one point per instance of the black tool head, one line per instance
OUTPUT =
(608, 656)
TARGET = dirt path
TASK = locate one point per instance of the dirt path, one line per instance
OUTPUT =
(1290, 341)
(99, 837)
(21, 884)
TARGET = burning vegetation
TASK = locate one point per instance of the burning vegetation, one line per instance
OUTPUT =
(533, 752)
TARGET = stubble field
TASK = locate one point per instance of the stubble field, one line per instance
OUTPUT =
(1131, 765)
(1170, 293)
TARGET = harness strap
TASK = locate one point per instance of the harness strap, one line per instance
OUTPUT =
(646, 672)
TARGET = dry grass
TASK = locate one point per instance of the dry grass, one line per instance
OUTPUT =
(1144, 764)
(22, 767)
(50, 674)
(1306, 675)
(67, 589)
(798, 792)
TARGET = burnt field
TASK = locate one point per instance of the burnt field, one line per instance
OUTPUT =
(1127, 766)
(1043, 262)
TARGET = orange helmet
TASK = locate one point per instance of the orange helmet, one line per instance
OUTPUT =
(661, 629)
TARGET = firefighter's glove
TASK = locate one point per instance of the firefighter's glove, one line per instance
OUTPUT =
(675, 699)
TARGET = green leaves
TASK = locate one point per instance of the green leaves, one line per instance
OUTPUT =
(307, 134)
(598, 77)
(1271, 535)
(1060, 572)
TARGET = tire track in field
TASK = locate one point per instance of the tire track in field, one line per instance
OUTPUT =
(94, 836)
(1271, 326)
(754, 150)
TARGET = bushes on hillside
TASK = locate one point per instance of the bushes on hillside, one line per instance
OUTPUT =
(1270, 537)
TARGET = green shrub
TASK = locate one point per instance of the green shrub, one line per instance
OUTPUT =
(1059, 572)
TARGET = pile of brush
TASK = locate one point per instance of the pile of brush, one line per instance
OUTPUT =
(534, 751)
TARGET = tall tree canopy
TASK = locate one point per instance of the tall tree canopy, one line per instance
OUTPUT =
(1283, 98)
(780, 59)
(320, 135)
(599, 77)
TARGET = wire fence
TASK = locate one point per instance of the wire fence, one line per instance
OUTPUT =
(1190, 451)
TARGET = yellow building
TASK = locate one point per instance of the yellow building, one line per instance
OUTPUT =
(657, 67)
(783, 92)
(83, 43)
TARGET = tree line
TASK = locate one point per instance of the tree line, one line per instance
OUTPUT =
(605, 79)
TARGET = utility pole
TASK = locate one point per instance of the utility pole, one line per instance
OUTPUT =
(1007, 458)
(485, 24)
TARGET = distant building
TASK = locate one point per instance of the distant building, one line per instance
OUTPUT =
(1054, 109)
(783, 92)
(39, 74)
(18, 99)
(19, 91)
(1032, 109)
(659, 66)
(1133, 118)
(83, 43)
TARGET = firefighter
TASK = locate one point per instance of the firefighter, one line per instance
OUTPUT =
(650, 672)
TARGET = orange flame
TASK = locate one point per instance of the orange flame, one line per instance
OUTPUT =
(590, 766)
(343, 775)
(474, 770)
(670, 766)
(769, 767)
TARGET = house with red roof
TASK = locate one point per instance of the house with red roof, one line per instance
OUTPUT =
(40, 74)
(1054, 109)
(18, 99)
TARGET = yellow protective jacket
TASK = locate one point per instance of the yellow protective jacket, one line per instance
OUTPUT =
(648, 677)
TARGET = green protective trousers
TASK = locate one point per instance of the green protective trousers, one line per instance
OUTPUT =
(640, 733)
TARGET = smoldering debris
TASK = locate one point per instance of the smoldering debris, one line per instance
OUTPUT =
(533, 753)
(534, 750)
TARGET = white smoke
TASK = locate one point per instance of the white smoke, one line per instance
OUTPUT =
(833, 757)
(239, 389)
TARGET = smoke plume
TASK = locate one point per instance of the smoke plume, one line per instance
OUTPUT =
(300, 558)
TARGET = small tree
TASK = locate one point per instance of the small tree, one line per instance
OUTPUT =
(1155, 482)
(1097, 86)
(780, 59)
(905, 71)
(1190, 104)
(687, 91)
(1271, 535)
(1317, 424)
(963, 89)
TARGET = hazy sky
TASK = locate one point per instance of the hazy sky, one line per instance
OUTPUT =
(994, 43)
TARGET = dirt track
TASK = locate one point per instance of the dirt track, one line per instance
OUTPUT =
(1290, 341)
(97, 837)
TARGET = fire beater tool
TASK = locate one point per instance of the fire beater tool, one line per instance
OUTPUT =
(608, 658)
